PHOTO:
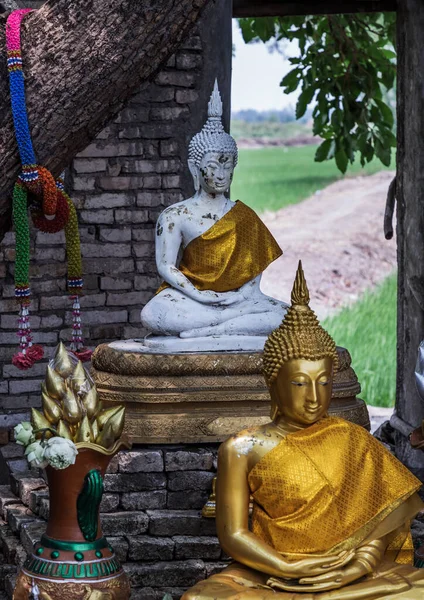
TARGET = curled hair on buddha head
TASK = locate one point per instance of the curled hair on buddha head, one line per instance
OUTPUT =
(213, 137)
(299, 336)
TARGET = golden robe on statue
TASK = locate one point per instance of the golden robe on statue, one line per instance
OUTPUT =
(235, 250)
(324, 489)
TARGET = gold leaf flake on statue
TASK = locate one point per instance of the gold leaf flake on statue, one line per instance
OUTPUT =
(55, 385)
(39, 421)
(84, 433)
(72, 412)
(63, 430)
(51, 409)
(63, 364)
(104, 416)
(90, 402)
(79, 380)
(94, 429)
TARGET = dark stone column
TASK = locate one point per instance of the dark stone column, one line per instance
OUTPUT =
(410, 221)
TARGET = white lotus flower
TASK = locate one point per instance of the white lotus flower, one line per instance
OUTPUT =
(60, 453)
(35, 455)
(24, 433)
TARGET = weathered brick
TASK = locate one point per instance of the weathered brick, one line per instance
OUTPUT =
(31, 533)
(148, 548)
(190, 480)
(125, 299)
(169, 147)
(12, 450)
(8, 306)
(54, 302)
(124, 523)
(16, 515)
(90, 165)
(11, 321)
(9, 544)
(21, 402)
(187, 499)
(105, 250)
(102, 149)
(84, 183)
(108, 266)
(143, 250)
(36, 370)
(131, 332)
(131, 216)
(174, 522)
(184, 573)
(6, 498)
(98, 317)
(4, 386)
(186, 96)
(27, 485)
(192, 42)
(177, 78)
(137, 461)
(215, 567)
(134, 482)
(110, 283)
(97, 216)
(18, 465)
(196, 547)
(151, 166)
(44, 508)
(145, 234)
(106, 332)
(122, 182)
(171, 181)
(120, 547)
(40, 337)
(22, 386)
(169, 113)
(133, 114)
(51, 322)
(144, 282)
(115, 235)
(153, 93)
(102, 201)
(152, 182)
(188, 460)
(187, 61)
(153, 500)
(109, 503)
(35, 498)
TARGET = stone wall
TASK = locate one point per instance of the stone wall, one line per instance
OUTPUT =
(150, 514)
(133, 170)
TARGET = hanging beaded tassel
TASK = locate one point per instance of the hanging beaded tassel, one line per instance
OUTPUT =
(48, 198)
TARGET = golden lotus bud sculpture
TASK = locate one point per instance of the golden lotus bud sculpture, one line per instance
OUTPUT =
(74, 438)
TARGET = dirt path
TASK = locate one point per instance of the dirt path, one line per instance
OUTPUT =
(338, 234)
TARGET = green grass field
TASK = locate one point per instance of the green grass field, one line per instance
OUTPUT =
(269, 129)
(368, 330)
(271, 178)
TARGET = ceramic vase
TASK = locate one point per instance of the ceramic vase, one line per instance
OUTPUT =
(73, 560)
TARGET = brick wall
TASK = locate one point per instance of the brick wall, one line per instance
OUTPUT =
(120, 183)
(151, 514)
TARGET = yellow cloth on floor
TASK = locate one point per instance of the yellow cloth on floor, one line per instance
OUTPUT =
(235, 250)
(325, 488)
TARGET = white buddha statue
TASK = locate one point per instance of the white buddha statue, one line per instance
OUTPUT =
(211, 252)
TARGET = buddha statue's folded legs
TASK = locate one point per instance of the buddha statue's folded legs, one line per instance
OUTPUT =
(238, 582)
(171, 312)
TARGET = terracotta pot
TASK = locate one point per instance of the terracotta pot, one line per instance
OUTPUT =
(73, 561)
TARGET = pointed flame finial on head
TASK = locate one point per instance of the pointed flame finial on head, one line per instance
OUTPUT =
(300, 292)
(215, 103)
(213, 137)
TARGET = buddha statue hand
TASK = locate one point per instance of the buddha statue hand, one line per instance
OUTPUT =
(314, 566)
(362, 562)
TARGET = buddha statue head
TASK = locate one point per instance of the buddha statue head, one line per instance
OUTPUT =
(212, 153)
(299, 362)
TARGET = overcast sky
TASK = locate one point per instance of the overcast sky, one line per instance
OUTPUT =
(256, 76)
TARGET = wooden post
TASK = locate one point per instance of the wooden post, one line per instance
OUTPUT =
(410, 221)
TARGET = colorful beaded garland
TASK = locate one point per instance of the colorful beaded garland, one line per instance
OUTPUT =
(47, 198)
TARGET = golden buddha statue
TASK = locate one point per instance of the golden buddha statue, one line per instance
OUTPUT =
(331, 506)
